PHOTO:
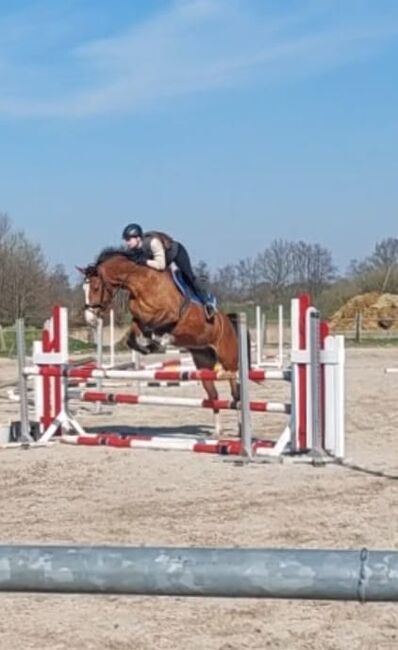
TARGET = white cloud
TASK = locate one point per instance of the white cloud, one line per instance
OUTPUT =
(193, 46)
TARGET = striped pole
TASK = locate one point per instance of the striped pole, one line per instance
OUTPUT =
(190, 402)
(223, 447)
(182, 374)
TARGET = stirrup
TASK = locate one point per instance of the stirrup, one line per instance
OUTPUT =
(210, 310)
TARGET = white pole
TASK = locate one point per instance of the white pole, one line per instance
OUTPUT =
(295, 345)
(112, 338)
(258, 336)
(100, 357)
(263, 333)
(340, 402)
(334, 397)
(38, 386)
(280, 336)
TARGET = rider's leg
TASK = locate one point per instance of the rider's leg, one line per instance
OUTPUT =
(184, 264)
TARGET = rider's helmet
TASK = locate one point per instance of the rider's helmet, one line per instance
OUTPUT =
(132, 230)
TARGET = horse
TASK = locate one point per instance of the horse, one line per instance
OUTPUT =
(158, 307)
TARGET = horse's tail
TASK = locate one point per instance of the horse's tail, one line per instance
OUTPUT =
(233, 317)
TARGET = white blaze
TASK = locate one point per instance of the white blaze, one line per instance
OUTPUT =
(89, 316)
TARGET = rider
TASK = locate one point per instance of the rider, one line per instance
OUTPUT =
(160, 251)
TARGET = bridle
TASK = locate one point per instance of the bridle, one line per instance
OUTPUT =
(96, 306)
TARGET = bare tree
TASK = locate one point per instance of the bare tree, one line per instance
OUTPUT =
(275, 267)
(27, 281)
(246, 278)
(5, 227)
(225, 284)
(59, 289)
(202, 271)
(313, 267)
(378, 271)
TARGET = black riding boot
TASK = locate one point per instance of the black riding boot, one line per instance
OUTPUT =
(203, 295)
(181, 258)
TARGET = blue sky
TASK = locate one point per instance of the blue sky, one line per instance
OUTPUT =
(227, 123)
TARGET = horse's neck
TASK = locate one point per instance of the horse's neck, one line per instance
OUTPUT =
(132, 277)
(148, 284)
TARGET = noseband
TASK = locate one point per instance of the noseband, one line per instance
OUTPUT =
(97, 305)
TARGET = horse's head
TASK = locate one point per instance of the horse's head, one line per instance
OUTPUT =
(110, 272)
(97, 291)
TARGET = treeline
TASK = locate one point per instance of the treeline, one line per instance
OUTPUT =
(286, 268)
(30, 287)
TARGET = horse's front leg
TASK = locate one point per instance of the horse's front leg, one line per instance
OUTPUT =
(212, 395)
(137, 340)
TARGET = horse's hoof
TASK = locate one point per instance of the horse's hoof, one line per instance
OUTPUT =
(155, 346)
(132, 344)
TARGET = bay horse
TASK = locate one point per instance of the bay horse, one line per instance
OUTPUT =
(158, 307)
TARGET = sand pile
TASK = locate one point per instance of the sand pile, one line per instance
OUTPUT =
(378, 311)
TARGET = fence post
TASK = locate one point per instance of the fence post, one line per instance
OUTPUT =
(358, 326)
(245, 424)
(100, 356)
(22, 380)
(314, 345)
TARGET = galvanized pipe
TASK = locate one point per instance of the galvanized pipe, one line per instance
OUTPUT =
(314, 344)
(243, 573)
(22, 381)
(245, 420)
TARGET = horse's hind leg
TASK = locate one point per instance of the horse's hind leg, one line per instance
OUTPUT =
(227, 353)
(206, 359)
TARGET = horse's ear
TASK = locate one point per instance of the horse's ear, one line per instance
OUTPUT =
(88, 271)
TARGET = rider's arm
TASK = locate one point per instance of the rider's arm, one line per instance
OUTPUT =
(159, 257)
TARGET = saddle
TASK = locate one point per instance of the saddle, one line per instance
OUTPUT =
(209, 304)
(188, 292)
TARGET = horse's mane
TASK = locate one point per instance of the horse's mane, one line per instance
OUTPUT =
(131, 255)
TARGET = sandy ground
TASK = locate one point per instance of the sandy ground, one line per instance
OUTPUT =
(71, 494)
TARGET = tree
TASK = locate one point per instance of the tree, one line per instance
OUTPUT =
(246, 278)
(378, 271)
(28, 289)
(59, 289)
(275, 267)
(313, 268)
(225, 284)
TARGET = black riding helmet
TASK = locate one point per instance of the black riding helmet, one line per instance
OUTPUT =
(132, 230)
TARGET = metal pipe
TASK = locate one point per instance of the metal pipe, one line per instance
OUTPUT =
(22, 381)
(314, 344)
(243, 573)
(245, 421)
